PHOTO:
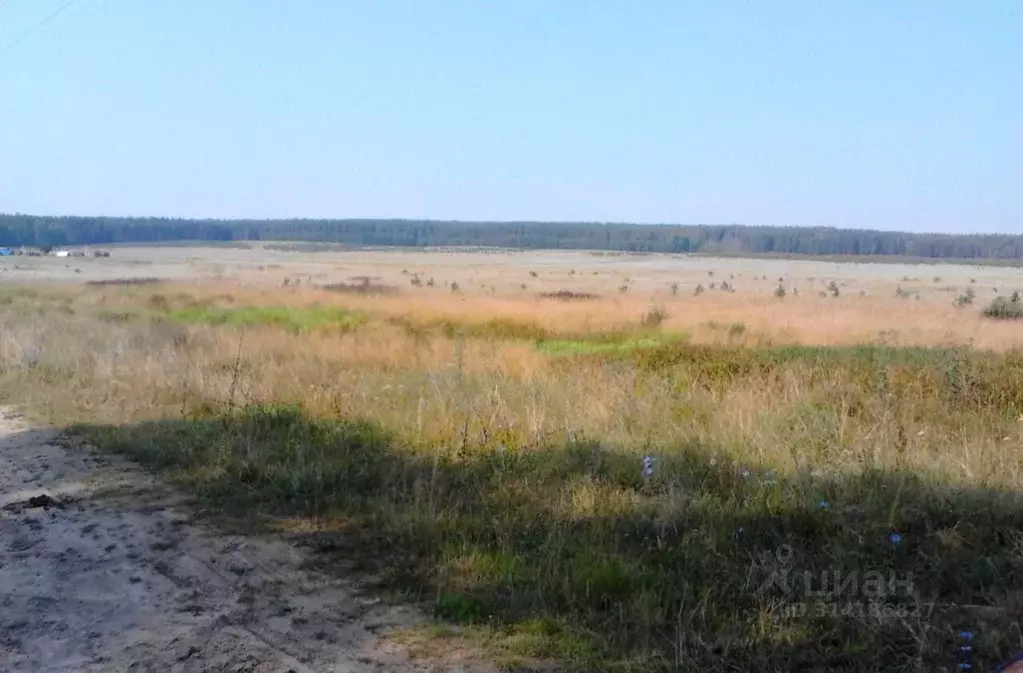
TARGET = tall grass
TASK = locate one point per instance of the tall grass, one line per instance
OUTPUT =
(507, 488)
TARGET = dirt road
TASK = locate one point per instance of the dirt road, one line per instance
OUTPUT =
(101, 569)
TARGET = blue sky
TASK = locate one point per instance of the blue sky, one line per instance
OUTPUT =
(892, 115)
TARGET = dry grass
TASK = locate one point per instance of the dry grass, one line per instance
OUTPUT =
(504, 485)
(804, 320)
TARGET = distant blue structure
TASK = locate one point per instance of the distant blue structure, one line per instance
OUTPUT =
(6, 252)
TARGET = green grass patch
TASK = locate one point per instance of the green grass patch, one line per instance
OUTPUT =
(607, 343)
(296, 319)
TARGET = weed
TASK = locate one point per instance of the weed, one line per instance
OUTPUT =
(654, 317)
(966, 298)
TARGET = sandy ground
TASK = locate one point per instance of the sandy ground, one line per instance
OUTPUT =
(101, 569)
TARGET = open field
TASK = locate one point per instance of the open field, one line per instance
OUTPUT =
(900, 304)
(431, 417)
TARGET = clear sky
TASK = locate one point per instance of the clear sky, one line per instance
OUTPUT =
(864, 113)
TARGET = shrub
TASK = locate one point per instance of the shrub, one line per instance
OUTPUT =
(966, 298)
(699, 290)
(567, 295)
(654, 317)
(1005, 309)
(736, 329)
(779, 291)
(674, 287)
(833, 288)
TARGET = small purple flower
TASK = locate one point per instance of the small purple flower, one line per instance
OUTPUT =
(895, 538)
(823, 504)
(745, 473)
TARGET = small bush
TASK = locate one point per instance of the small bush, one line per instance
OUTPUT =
(364, 286)
(674, 287)
(698, 291)
(654, 317)
(1005, 309)
(780, 291)
(833, 288)
(567, 295)
(966, 298)
(736, 329)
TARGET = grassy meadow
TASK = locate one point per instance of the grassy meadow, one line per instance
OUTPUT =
(595, 483)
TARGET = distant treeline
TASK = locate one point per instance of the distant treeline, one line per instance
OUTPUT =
(40, 231)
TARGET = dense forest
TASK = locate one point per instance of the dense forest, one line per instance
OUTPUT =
(30, 230)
